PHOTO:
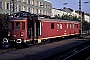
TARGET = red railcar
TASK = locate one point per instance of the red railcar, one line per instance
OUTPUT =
(31, 28)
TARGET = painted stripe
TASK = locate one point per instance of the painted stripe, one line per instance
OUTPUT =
(72, 34)
(49, 37)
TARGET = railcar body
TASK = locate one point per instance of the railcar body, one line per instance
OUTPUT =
(53, 28)
(31, 28)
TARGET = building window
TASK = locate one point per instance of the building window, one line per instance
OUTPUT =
(32, 2)
(43, 12)
(37, 11)
(0, 4)
(18, 8)
(40, 4)
(40, 12)
(33, 10)
(52, 25)
(17, 25)
(24, 8)
(37, 3)
(24, 1)
(45, 5)
(18, 0)
(28, 9)
(28, 1)
(7, 5)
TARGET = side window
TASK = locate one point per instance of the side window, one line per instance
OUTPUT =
(23, 25)
(60, 26)
(70, 26)
(52, 25)
(57, 26)
(73, 25)
(77, 25)
(12, 25)
(67, 26)
(17, 25)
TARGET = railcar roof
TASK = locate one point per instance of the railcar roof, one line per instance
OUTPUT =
(55, 20)
(17, 18)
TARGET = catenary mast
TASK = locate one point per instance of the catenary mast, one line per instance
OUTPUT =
(13, 6)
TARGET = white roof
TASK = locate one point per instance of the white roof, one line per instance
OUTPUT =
(47, 1)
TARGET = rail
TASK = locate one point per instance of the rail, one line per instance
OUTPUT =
(68, 54)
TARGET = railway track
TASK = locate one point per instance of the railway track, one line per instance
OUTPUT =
(7, 50)
(74, 53)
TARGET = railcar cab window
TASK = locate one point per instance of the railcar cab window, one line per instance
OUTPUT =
(17, 25)
(23, 25)
(12, 25)
(52, 25)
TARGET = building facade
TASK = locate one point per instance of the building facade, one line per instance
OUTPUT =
(60, 12)
(40, 7)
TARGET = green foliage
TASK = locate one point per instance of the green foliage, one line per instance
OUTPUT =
(85, 24)
(70, 17)
(4, 24)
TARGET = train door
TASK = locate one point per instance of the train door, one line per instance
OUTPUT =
(65, 31)
(37, 29)
(33, 30)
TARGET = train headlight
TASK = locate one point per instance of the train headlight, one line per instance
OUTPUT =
(8, 33)
(5, 40)
(21, 34)
(18, 41)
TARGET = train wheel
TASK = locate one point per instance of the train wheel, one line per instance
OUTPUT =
(18, 45)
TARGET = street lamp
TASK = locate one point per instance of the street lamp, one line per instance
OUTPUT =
(65, 3)
(86, 2)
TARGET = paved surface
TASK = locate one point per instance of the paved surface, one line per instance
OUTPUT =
(41, 51)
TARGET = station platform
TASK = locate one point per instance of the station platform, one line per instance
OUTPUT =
(41, 51)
